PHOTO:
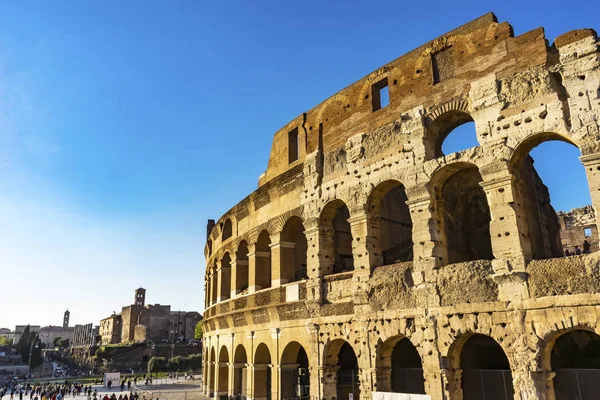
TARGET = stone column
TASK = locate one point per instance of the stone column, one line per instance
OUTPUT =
(428, 249)
(591, 163)
(257, 260)
(215, 393)
(239, 272)
(453, 383)
(319, 258)
(363, 245)
(329, 375)
(509, 233)
(224, 278)
(283, 263)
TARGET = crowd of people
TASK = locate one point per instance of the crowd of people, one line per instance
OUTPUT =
(59, 391)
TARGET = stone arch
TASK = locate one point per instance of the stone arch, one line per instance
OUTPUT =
(227, 230)
(441, 122)
(223, 384)
(463, 212)
(225, 277)
(399, 367)
(293, 247)
(480, 366)
(241, 268)
(336, 230)
(341, 363)
(262, 372)
(295, 380)
(534, 201)
(263, 261)
(387, 204)
(240, 371)
(210, 249)
(573, 358)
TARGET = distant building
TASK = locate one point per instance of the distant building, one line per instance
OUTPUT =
(49, 333)
(85, 335)
(110, 329)
(140, 322)
(20, 329)
(183, 324)
(578, 231)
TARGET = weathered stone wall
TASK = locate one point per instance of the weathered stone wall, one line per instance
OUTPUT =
(486, 252)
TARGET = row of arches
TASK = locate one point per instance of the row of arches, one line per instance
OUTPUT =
(461, 223)
(478, 365)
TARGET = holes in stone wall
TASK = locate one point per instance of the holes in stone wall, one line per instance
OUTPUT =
(442, 65)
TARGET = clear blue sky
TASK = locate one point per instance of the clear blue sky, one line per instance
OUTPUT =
(124, 126)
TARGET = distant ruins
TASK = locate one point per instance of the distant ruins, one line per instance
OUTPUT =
(369, 261)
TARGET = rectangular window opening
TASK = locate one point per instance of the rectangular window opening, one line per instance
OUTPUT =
(293, 145)
(380, 95)
(587, 232)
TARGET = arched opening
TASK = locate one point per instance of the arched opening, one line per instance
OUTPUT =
(400, 369)
(575, 359)
(450, 132)
(223, 372)
(550, 189)
(263, 261)
(241, 268)
(227, 230)
(293, 251)
(388, 201)
(334, 219)
(485, 370)
(465, 215)
(212, 373)
(295, 382)
(240, 373)
(262, 373)
(214, 287)
(347, 381)
(225, 276)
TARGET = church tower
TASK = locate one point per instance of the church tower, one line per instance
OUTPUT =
(140, 297)
(66, 319)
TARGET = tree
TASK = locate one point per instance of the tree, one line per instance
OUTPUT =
(55, 341)
(20, 343)
(199, 331)
(195, 362)
(4, 341)
(157, 364)
(63, 343)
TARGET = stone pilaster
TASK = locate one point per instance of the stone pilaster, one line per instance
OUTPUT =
(363, 244)
(591, 163)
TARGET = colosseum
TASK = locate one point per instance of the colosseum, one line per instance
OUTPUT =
(368, 263)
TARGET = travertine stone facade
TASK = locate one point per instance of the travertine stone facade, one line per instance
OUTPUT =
(367, 260)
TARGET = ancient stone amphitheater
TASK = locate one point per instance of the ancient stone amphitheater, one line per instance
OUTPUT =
(369, 261)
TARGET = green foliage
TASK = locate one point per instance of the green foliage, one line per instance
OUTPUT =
(4, 341)
(157, 364)
(195, 362)
(175, 364)
(29, 343)
(63, 343)
(199, 331)
(55, 341)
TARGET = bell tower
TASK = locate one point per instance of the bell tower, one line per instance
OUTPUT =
(66, 317)
(140, 297)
